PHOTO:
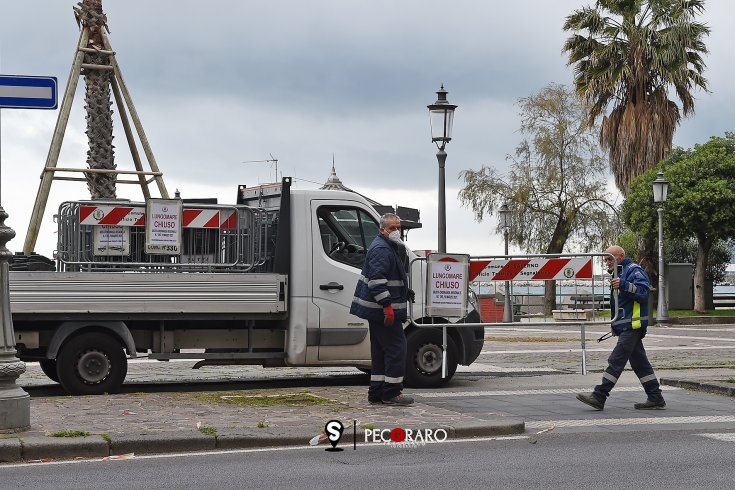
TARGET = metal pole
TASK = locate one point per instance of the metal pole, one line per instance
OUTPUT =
(441, 156)
(15, 404)
(507, 307)
(662, 312)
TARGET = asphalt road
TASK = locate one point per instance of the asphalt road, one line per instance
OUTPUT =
(672, 459)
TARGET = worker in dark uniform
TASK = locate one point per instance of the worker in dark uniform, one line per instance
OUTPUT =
(629, 326)
(381, 299)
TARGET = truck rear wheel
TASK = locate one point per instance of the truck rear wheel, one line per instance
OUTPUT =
(48, 366)
(92, 364)
(424, 359)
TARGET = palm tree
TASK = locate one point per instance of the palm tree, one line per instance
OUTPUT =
(101, 153)
(630, 55)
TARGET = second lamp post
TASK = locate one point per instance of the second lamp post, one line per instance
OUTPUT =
(441, 114)
(660, 189)
(504, 216)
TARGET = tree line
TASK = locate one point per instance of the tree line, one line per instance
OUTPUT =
(629, 58)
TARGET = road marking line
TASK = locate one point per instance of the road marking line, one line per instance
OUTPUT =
(631, 421)
(478, 367)
(255, 450)
(557, 391)
(726, 437)
(564, 351)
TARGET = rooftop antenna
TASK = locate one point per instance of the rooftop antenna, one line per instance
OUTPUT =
(272, 159)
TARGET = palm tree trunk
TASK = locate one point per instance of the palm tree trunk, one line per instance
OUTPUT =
(98, 104)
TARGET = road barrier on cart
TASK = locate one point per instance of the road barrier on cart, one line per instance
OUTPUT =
(162, 235)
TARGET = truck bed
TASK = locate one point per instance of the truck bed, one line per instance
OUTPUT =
(38, 294)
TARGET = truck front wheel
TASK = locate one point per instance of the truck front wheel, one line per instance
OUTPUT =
(48, 366)
(424, 359)
(92, 364)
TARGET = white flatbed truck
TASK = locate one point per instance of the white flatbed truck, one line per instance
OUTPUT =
(268, 281)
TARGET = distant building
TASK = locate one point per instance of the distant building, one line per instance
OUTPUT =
(730, 274)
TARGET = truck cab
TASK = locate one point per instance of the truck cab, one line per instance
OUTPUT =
(340, 227)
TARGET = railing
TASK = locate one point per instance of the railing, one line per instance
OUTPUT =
(721, 300)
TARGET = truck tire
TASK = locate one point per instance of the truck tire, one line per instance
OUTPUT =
(424, 359)
(92, 364)
(48, 366)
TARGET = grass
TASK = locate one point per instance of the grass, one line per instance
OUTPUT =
(731, 380)
(300, 399)
(208, 430)
(686, 313)
(69, 433)
(262, 424)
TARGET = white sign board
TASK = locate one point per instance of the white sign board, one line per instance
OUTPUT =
(27, 92)
(447, 284)
(111, 240)
(163, 226)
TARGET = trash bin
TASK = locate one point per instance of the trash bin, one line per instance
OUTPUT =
(680, 286)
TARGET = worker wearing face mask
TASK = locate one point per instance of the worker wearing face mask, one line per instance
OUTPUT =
(381, 298)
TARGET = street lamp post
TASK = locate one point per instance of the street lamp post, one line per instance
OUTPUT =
(15, 404)
(504, 215)
(660, 188)
(441, 115)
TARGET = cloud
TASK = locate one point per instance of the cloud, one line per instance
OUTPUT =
(218, 83)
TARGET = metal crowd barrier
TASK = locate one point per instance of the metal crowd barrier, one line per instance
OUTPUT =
(566, 269)
(106, 235)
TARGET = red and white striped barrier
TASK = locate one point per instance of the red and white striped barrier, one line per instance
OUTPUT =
(534, 269)
(223, 219)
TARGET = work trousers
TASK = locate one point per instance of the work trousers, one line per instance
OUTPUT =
(388, 355)
(629, 349)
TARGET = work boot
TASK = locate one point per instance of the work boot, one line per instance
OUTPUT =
(376, 401)
(399, 400)
(591, 401)
(650, 405)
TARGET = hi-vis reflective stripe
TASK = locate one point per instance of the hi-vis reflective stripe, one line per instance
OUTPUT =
(135, 216)
(535, 269)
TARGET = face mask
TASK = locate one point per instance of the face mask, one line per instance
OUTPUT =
(395, 237)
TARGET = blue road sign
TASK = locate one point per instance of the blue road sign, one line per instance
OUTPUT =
(21, 92)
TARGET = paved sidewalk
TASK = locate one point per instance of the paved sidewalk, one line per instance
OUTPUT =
(202, 416)
(198, 419)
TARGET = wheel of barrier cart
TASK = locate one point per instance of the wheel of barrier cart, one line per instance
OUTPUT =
(48, 366)
(92, 364)
(424, 359)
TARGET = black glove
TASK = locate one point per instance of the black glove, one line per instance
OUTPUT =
(411, 295)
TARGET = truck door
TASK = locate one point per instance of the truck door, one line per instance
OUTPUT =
(341, 236)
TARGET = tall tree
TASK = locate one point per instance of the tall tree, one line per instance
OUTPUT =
(700, 202)
(556, 185)
(628, 55)
(101, 153)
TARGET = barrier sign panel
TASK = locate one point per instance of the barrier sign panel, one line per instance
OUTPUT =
(447, 284)
(110, 240)
(531, 269)
(163, 226)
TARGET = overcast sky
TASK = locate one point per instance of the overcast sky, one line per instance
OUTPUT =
(220, 82)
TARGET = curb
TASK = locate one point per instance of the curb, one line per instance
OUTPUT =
(701, 320)
(716, 387)
(35, 448)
